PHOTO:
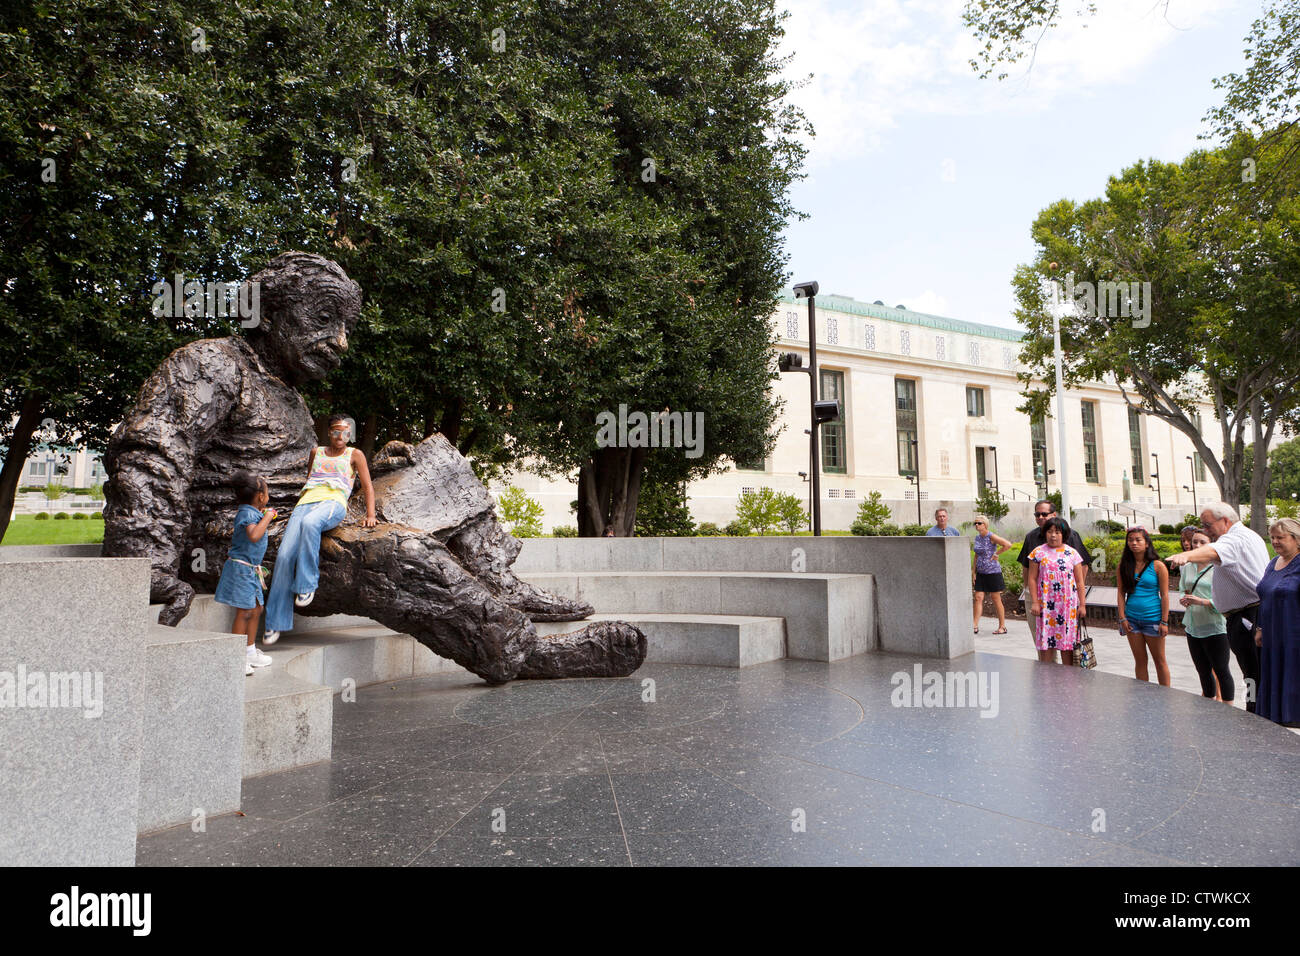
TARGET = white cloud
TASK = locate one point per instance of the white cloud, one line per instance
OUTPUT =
(876, 64)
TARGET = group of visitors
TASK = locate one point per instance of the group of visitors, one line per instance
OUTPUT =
(1234, 597)
(331, 473)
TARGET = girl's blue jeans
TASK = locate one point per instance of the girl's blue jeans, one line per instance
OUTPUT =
(297, 563)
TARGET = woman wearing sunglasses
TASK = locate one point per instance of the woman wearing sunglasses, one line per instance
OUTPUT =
(987, 576)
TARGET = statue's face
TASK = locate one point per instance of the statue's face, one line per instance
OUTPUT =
(308, 329)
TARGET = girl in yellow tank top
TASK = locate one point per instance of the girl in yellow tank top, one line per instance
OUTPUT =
(322, 506)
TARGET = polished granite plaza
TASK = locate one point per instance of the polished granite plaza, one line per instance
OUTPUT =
(787, 763)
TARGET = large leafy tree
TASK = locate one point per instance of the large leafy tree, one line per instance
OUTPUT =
(119, 132)
(475, 166)
(1222, 258)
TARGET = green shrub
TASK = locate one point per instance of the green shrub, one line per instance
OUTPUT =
(791, 514)
(661, 510)
(1193, 520)
(521, 513)
(42, 516)
(915, 530)
(883, 530)
(707, 529)
(1168, 529)
(96, 492)
(98, 515)
(1286, 508)
(80, 516)
(62, 514)
(1012, 573)
(564, 531)
(736, 529)
(990, 502)
(1109, 527)
(758, 510)
(873, 514)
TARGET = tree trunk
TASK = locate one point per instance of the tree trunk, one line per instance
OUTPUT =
(608, 488)
(369, 431)
(1260, 476)
(450, 424)
(29, 419)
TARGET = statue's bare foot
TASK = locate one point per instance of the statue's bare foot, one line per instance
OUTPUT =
(601, 649)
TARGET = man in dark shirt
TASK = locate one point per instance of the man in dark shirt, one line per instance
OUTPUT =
(1043, 510)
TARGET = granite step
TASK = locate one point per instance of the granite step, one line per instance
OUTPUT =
(713, 640)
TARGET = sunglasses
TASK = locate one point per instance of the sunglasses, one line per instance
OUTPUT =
(1043, 514)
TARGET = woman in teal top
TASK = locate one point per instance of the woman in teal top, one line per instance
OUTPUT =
(1143, 599)
(1207, 629)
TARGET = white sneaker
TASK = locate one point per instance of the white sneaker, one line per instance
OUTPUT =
(302, 600)
(248, 668)
(270, 637)
(257, 658)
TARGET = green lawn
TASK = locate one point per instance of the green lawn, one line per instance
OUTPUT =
(25, 529)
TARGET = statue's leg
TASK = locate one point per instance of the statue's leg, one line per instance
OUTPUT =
(410, 582)
(487, 551)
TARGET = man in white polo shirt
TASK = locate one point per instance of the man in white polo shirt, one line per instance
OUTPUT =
(1242, 558)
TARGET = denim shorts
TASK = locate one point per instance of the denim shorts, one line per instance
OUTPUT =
(1145, 628)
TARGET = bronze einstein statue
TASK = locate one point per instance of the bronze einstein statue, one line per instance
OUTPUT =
(436, 565)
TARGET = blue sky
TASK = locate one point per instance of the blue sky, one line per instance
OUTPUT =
(923, 180)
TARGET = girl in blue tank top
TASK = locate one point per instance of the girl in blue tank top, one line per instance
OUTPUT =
(1143, 604)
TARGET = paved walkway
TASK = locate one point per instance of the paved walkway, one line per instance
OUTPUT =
(1113, 655)
(784, 763)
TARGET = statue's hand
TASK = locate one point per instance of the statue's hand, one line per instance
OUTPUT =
(178, 605)
(394, 455)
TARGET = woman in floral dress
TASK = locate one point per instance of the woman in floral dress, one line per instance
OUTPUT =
(1056, 575)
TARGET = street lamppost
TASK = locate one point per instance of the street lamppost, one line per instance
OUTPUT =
(1191, 463)
(1155, 475)
(1059, 308)
(821, 412)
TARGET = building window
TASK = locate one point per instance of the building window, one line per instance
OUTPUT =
(945, 463)
(1038, 442)
(941, 348)
(36, 469)
(905, 342)
(1008, 357)
(792, 325)
(974, 351)
(832, 330)
(97, 472)
(905, 421)
(974, 402)
(1135, 443)
(1089, 413)
(833, 493)
(834, 456)
(850, 493)
(870, 336)
(752, 464)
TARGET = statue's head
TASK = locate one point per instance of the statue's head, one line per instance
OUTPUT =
(307, 307)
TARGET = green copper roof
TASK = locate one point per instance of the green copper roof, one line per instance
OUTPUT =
(842, 303)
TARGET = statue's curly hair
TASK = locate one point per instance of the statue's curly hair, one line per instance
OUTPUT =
(301, 280)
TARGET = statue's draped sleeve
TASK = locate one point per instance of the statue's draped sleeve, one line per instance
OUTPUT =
(152, 457)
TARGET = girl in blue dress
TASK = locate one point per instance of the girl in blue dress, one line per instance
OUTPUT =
(1278, 633)
(240, 586)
